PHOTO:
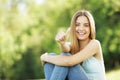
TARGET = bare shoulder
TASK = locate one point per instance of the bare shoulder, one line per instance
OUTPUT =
(98, 55)
(96, 42)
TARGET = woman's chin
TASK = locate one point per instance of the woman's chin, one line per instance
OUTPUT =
(81, 39)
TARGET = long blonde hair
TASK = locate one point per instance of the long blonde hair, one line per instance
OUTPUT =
(74, 41)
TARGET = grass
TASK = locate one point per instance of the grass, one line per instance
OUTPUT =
(111, 75)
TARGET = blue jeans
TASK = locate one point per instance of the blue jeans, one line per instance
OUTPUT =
(54, 72)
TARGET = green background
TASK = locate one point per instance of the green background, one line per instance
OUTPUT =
(28, 29)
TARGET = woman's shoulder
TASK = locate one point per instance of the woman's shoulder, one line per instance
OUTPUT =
(95, 41)
(98, 55)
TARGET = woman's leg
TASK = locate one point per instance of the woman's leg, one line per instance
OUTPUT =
(54, 72)
(59, 73)
(48, 68)
(77, 73)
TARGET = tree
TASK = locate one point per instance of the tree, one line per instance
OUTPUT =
(27, 30)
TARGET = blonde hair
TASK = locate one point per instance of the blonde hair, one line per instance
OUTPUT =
(74, 41)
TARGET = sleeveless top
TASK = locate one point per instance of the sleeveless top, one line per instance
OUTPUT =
(94, 68)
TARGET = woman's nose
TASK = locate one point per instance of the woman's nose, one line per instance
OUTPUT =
(80, 28)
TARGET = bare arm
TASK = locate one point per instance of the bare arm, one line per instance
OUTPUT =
(61, 39)
(90, 50)
(57, 59)
(65, 47)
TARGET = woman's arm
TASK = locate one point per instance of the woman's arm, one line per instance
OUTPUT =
(90, 50)
(65, 47)
(61, 39)
(56, 59)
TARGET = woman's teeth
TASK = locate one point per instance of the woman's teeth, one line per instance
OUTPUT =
(81, 33)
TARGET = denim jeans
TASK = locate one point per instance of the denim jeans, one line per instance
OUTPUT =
(54, 72)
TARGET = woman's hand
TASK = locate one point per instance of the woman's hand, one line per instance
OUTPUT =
(61, 38)
(43, 58)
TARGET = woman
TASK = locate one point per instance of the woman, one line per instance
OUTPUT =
(82, 58)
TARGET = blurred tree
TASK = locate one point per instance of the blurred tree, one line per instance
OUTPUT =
(27, 29)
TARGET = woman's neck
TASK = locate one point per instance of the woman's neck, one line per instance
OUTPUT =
(83, 43)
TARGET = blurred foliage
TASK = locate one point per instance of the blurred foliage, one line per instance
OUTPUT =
(28, 28)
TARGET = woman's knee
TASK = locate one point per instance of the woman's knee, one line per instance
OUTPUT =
(77, 67)
(47, 63)
(63, 53)
(66, 54)
(52, 54)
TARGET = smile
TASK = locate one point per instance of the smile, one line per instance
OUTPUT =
(81, 33)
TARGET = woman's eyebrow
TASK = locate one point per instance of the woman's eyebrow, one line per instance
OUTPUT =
(77, 23)
(80, 23)
(86, 23)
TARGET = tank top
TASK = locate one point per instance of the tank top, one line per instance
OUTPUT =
(94, 68)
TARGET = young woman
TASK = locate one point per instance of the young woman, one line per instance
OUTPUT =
(81, 58)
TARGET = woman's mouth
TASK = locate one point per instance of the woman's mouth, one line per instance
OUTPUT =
(81, 33)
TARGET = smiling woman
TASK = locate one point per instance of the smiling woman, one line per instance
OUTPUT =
(82, 58)
(82, 28)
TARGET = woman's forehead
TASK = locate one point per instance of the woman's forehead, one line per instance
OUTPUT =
(82, 19)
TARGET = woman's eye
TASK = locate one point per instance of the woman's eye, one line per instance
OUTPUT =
(77, 24)
(86, 25)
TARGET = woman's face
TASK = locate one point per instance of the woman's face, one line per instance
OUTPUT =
(82, 28)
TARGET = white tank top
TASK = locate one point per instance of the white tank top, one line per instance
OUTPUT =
(94, 69)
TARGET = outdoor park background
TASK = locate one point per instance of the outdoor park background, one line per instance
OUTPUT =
(28, 28)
